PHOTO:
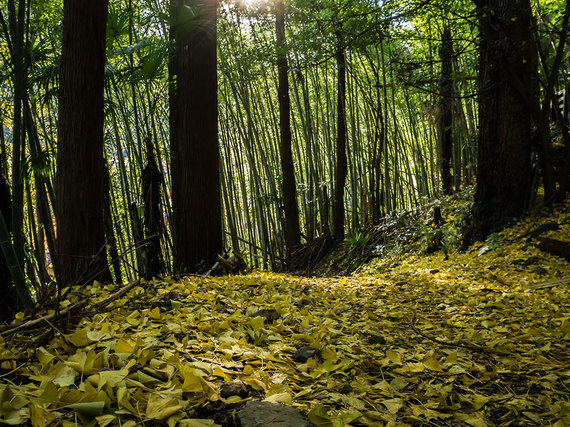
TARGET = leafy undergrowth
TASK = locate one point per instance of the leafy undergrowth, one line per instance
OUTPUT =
(479, 339)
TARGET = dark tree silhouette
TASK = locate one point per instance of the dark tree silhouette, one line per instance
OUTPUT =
(290, 207)
(80, 164)
(153, 222)
(195, 157)
(507, 83)
(446, 106)
(341, 161)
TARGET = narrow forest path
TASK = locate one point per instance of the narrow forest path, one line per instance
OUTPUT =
(479, 339)
(420, 347)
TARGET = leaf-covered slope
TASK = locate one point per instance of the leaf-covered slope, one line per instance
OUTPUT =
(467, 341)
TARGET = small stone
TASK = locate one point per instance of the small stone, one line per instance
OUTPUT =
(539, 271)
(303, 302)
(305, 353)
(269, 315)
(434, 271)
(375, 339)
(267, 414)
(345, 389)
(233, 389)
(531, 260)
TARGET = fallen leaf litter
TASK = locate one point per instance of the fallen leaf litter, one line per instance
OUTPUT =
(469, 341)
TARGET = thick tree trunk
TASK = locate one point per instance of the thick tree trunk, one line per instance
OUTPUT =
(80, 163)
(196, 194)
(446, 106)
(341, 161)
(507, 68)
(290, 207)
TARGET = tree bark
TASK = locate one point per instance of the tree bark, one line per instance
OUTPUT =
(196, 193)
(341, 160)
(290, 207)
(446, 110)
(507, 80)
(80, 162)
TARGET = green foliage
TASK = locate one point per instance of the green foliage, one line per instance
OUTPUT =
(493, 242)
(117, 26)
(448, 241)
(40, 163)
(358, 240)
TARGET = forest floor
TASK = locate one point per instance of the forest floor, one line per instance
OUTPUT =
(481, 338)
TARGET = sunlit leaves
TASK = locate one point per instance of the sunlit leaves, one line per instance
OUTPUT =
(488, 346)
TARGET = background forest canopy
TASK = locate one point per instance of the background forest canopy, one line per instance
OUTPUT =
(396, 82)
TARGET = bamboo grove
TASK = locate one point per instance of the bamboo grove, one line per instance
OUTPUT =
(410, 77)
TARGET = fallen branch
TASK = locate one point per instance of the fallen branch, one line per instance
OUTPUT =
(72, 309)
(117, 295)
(30, 324)
(550, 284)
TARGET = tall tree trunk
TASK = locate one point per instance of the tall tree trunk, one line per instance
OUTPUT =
(7, 296)
(153, 221)
(17, 21)
(110, 229)
(446, 110)
(80, 163)
(196, 195)
(507, 68)
(341, 161)
(13, 298)
(292, 227)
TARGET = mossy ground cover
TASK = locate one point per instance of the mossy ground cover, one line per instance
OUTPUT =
(480, 338)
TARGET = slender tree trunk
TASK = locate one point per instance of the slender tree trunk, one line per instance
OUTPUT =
(3, 151)
(546, 142)
(7, 295)
(386, 193)
(110, 230)
(507, 68)
(292, 227)
(17, 26)
(196, 195)
(446, 110)
(42, 202)
(341, 160)
(80, 163)
(153, 221)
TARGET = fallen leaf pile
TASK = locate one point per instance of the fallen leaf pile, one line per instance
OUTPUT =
(475, 340)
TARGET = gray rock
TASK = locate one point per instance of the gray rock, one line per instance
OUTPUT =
(305, 353)
(267, 414)
(234, 389)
